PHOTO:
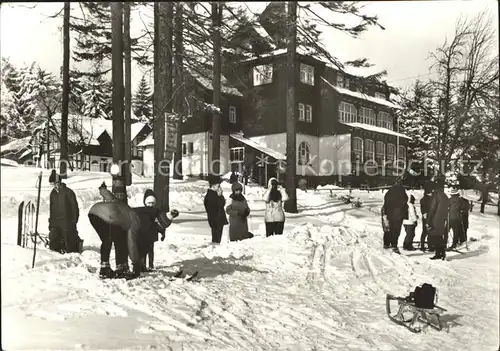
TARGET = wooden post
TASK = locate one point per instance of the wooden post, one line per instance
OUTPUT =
(216, 84)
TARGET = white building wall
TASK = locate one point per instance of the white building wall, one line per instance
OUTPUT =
(312, 169)
(148, 158)
(196, 163)
(276, 142)
(335, 155)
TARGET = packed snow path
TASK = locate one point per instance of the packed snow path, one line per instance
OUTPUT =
(320, 286)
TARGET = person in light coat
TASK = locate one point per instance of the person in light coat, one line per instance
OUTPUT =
(410, 223)
(238, 212)
(274, 197)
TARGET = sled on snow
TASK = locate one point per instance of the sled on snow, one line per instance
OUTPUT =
(417, 310)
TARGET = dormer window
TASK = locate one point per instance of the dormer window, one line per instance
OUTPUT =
(306, 74)
(380, 95)
(262, 74)
(340, 80)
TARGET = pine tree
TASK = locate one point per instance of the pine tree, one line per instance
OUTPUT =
(142, 102)
(11, 76)
(10, 124)
(95, 96)
(40, 95)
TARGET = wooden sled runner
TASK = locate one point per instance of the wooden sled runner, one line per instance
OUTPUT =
(413, 317)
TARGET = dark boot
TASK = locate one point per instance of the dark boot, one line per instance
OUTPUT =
(106, 272)
(136, 272)
(122, 271)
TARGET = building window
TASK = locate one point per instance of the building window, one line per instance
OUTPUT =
(190, 148)
(184, 149)
(380, 95)
(391, 153)
(357, 149)
(302, 112)
(262, 74)
(384, 120)
(306, 74)
(346, 83)
(367, 116)
(309, 113)
(402, 153)
(347, 113)
(232, 114)
(340, 80)
(369, 150)
(237, 154)
(380, 152)
(304, 153)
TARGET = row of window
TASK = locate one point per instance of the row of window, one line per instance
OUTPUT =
(263, 74)
(349, 114)
(305, 113)
(369, 150)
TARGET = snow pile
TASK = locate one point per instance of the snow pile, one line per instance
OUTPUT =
(7, 162)
(329, 187)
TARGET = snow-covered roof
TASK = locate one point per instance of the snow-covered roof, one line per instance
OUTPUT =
(15, 145)
(376, 129)
(206, 82)
(90, 129)
(360, 95)
(275, 154)
(148, 141)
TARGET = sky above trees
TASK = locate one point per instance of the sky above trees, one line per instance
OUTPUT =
(413, 30)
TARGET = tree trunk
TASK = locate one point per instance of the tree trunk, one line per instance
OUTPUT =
(119, 188)
(179, 97)
(128, 90)
(216, 116)
(291, 153)
(63, 160)
(162, 99)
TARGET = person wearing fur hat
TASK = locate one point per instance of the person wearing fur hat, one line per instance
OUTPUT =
(458, 217)
(274, 197)
(238, 212)
(63, 217)
(154, 229)
(214, 202)
(116, 223)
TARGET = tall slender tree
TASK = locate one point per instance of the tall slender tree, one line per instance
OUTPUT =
(216, 84)
(291, 140)
(65, 98)
(128, 90)
(163, 99)
(119, 187)
(179, 84)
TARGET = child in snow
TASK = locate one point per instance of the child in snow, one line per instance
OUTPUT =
(385, 228)
(238, 212)
(274, 197)
(410, 223)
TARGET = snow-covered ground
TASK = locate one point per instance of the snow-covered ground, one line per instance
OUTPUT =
(320, 286)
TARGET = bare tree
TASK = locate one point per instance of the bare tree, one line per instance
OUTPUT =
(458, 107)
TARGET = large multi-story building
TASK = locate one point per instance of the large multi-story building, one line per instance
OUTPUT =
(346, 128)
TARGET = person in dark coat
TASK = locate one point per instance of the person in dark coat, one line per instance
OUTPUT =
(457, 211)
(465, 216)
(396, 207)
(238, 212)
(425, 203)
(233, 178)
(484, 196)
(63, 217)
(214, 205)
(437, 220)
(116, 223)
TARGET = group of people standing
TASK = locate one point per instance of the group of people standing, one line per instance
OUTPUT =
(440, 214)
(238, 210)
